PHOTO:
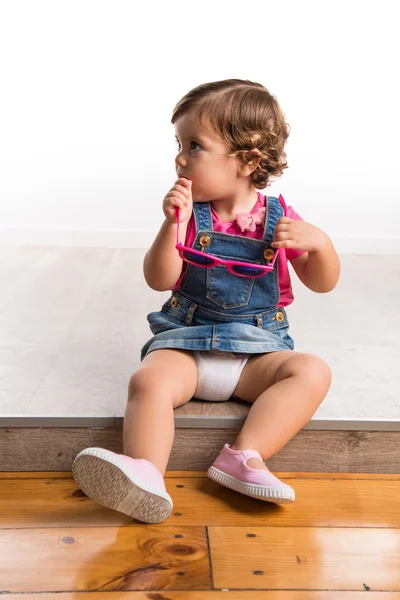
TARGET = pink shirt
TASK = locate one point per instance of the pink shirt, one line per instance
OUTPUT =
(285, 254)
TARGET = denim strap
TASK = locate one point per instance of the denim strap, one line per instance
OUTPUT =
(274, 211)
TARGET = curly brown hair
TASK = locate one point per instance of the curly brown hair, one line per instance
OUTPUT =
(245, 116)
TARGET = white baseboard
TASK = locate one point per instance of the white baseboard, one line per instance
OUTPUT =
(144, 239)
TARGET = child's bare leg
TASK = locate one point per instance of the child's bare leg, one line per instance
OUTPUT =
(286, 388)
(164, 380)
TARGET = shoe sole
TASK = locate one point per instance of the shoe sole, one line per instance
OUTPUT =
(102, 477)
(261, 492)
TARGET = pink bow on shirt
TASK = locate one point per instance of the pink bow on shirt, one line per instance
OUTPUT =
(248, 221)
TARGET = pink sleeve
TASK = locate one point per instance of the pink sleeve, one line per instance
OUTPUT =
(292, 214)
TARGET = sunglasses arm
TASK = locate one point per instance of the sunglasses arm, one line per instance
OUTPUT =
(178, 221)
(275, 257)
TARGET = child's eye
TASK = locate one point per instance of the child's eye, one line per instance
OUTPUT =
(191, 145)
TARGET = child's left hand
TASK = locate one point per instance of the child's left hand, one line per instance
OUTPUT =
(299, 235)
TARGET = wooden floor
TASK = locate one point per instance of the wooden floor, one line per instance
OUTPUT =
(340, 540)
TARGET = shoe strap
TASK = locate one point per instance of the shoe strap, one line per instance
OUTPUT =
(251, 454)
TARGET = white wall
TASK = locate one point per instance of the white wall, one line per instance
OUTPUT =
(86, 144)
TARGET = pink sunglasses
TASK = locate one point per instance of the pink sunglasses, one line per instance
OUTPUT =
(200, 259)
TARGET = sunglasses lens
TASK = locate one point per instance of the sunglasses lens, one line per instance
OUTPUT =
(198, 259)
(250, 271)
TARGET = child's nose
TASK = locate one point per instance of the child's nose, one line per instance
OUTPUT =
(180, 159)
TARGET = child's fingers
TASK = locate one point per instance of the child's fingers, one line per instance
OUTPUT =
(283, 239)
(284, 221)
(281, 229)
(279, 236)
(284, 224)
(185, 181)
(177, 195)
(284, 244)
(175, 202)
(179, 188)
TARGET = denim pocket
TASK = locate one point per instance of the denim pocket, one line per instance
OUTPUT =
(227, 290)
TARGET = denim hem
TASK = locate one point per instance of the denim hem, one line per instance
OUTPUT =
(234, 346)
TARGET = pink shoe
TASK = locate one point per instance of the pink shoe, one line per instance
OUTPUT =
(231, 470)
(134, 487)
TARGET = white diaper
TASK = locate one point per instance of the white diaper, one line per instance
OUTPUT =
(217, 375)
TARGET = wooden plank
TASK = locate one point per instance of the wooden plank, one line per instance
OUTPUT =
(213, 595)
(308, 450)
(228, 408)
(52, 503)
(104, 559)
(36, 475)
(319, 503)
(305, 558)
(54, 449)
(198, 501)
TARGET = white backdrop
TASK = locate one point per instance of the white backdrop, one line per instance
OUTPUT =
(88, 87)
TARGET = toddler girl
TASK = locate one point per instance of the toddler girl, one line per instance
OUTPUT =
(222, 250)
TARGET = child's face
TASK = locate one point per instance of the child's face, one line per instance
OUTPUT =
(204, 160)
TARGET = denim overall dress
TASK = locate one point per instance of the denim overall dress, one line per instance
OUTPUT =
(217, 311)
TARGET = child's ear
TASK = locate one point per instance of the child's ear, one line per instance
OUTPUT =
(254, 158)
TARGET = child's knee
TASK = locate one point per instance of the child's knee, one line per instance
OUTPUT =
(325, 375)
(317, 372)
(313, 368)
(143, 381)
(145, 387)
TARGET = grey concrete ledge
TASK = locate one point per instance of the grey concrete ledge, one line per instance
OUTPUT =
(195, 422)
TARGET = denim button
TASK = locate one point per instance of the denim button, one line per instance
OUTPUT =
(174, 302)
(269, 254)
(205, 241)
(279, 317)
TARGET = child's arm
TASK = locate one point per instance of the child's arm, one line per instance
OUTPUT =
(162, 264)
(318, 270)
(319, 267)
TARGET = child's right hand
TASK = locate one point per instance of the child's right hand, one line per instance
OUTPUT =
(179, 195)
